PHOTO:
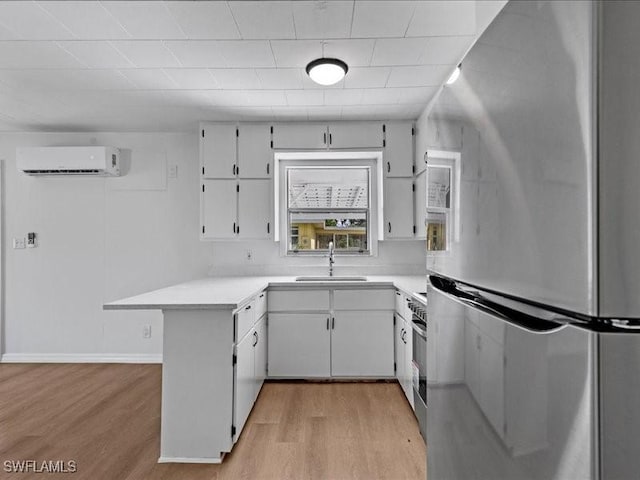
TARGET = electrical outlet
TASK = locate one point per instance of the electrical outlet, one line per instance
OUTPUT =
(249, 255)
(173, 171)
(19, 243)
(146, 331)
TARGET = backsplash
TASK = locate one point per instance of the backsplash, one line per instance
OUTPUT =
(394, 257)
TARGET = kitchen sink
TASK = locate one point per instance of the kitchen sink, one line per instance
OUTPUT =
(331, 279)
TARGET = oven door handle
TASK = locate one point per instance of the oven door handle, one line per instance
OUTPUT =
(420, 331)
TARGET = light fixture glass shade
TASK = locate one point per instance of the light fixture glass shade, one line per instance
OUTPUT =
(454, 76)
(327, 71)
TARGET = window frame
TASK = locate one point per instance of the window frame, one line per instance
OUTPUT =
(370, 159)
(451, 161)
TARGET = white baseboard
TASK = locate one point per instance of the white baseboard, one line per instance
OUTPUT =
(190, 460)
(81, 358)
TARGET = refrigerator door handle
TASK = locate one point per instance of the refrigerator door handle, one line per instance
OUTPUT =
(476, 301)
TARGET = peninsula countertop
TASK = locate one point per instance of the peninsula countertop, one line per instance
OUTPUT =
(230, 293)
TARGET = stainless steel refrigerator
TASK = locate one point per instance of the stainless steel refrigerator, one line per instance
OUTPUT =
(533, 331)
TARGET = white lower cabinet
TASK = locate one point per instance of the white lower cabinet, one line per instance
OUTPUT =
(362, 344)
(250, 361)
(404, 356)
(260, 359)
(341, 333)
(299, 345)
(245, 384)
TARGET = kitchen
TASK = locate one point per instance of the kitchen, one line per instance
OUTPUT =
(259, 230)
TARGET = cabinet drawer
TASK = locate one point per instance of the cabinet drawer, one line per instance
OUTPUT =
(261, 304)
(245, 318)
(298, 300)
(363, 299)
(399, 297)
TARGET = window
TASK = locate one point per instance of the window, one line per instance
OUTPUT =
(328, 204)
(438, 206)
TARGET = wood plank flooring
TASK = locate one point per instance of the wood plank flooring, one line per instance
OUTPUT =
(107, 419)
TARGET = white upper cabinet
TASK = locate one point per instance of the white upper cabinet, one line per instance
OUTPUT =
(255, 209)
(218, 148)
(398, 208)
(255, 156)
(398, 149)
(304, 135)
(420, 205)
(355, 135)
(219, 208)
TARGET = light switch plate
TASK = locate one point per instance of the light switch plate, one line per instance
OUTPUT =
(19, 243)
(173, 171)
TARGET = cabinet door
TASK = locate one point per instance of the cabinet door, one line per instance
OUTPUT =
(299, 345)
(355, 135)
(362, 344)
(420, 205)
(254, 209)
(219, 206)
(408, 364)
(400, 349)
(260, 365)
(398, 150)
(398, 208)
(244, 386)
(300, 135)
(218, 144)
(254, 150)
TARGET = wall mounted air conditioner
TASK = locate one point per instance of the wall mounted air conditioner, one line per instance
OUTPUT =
(100, 161)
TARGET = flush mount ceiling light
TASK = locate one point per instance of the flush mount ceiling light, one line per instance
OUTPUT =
(327, 71)
(454, 76)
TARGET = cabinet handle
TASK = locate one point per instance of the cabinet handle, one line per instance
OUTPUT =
(268, 228)
(388, 167)
(234, 227)
(255, 335)
(330, 139)
(267, 169)
(234, 169)
(389, 227)
(248, 307)
(238, 229)
(325, 138)
(262, 295)
(333, 323)
(327, 323)
(398, 293)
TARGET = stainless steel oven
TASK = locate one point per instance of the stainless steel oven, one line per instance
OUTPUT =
(419, 374)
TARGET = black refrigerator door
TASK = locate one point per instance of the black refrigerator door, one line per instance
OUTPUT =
(508, 398)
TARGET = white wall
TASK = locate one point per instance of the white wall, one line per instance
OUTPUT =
(99, 240)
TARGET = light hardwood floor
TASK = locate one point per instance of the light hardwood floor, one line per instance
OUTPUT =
(107, 419)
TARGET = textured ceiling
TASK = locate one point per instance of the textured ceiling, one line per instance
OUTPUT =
(156, 65)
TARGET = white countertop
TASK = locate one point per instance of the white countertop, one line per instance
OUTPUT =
(229, 293)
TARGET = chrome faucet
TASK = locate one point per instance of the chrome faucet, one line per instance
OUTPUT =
(331, 260)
